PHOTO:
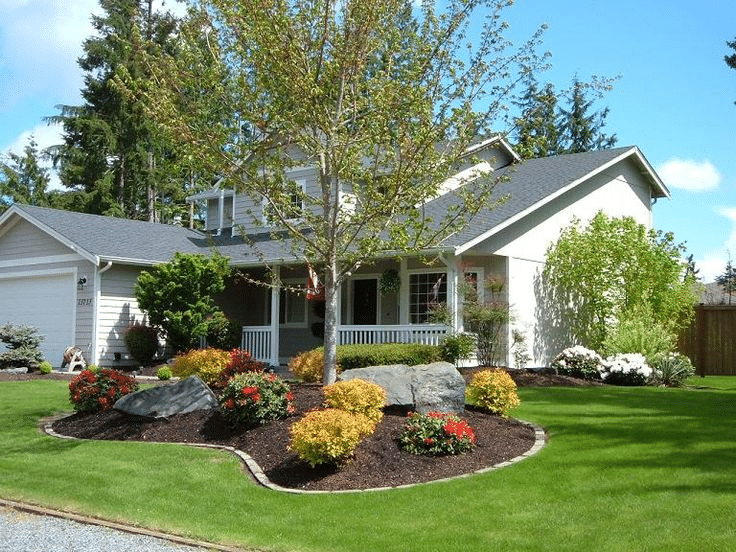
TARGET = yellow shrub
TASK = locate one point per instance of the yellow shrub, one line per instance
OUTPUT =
(328, 436)
(205, 363)
(309, 366)
(357, 397)
(492, 390)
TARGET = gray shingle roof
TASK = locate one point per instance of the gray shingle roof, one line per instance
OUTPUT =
(529, 183)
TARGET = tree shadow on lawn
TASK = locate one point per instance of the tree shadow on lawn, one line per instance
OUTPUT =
(651, 428)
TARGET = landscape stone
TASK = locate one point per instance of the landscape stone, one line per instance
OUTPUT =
(187, 395)
(436, 387)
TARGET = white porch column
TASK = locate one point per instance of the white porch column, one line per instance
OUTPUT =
(453, 303)
(221, 209)
(403, 292)
(275, 310)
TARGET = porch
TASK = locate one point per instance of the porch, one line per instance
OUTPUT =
(263, 341)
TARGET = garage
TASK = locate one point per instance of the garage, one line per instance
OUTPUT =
(45, 301)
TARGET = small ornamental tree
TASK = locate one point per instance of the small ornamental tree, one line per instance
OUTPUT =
(22, 343)
(596, 273)
(178, 297)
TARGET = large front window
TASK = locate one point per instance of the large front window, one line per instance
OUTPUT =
(293, 307)
(427, 290)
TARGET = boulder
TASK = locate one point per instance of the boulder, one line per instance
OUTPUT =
(163, 401)
(436, 387)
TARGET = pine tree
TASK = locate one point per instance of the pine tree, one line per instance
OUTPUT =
(580, 129)
(536, 129)
(23, 179)
(727, 280)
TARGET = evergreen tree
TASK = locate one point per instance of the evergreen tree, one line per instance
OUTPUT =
(727, 280)
(23, 179)
(580, 130)
(731, 60)
(112, 153)
(536, 129)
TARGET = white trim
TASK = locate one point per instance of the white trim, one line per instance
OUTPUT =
(35, 273)
(51, 259)
(437, 270)
(598, 170)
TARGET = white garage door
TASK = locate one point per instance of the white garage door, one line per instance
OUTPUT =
(46, 302)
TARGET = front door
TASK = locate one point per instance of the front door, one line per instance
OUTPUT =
(365, 302)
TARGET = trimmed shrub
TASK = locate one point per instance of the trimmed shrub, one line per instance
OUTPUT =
(436, 434)
(142, 342)
(95, 390)
(411, 354)
(205, 363)
(578, 362)
(626, 369)
(23, 347)
(256, 398)
(328, 436)
(164, 373)
(223, 333)
(671, 370)
(45, 367)
(240, 363)
(357, 397)
(492, 390)
(457, 347)
(310, 365)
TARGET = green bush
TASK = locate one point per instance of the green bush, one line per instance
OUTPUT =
(255, 398)
(436, 433)
(310, 365)
(671, 370)
(360, 356)
(164, 373)
(23, 347)
(223, 333)
(578, 362)
(357, 397)
(240, 363)
(142, 342)
(45, 367)
(457, 347)
(492, 390)
(95, 390)
(328, 436)
(637, 331)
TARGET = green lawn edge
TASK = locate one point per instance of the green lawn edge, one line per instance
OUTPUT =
(625, 469)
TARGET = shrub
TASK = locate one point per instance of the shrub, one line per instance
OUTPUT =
(411, 354)
(95, 390)
(142, 342)
(578, 362)
(205, 363)
(492, 390)
(310, 365)
(328, 436)
(240, 363)
(45, 367)
(457, 347)
(23, 347)
(626, 369)
(357, 397)
(164, 373)
(256, 398)
(639, 332)
(223, 333)
(671, 370)
(436, 434)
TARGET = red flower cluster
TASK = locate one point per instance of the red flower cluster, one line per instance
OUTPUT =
(460, 430)
(94, 390)
(252, 393)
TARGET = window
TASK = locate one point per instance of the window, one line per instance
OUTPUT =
(293, 209)
(426, 290)
(293, 308)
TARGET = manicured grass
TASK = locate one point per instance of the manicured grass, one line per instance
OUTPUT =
(724, 383)
(625, 469)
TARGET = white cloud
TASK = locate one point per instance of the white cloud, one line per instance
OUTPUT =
(712, 263)
(689, 175)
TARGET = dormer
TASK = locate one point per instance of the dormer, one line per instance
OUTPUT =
(219, 212)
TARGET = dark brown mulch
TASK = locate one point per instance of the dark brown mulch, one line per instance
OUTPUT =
(378, 460)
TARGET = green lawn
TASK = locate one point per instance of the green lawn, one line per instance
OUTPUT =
(625, 469)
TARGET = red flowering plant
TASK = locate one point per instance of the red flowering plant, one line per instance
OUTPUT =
(255, 398)
(436, 433)
(97, 389)
(240, 362)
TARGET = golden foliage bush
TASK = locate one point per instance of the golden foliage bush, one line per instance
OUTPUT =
(492, 390)
(205, 363)
(357, 396)
(309, 366)
(328, 436)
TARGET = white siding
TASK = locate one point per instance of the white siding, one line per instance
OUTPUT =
(24, 240)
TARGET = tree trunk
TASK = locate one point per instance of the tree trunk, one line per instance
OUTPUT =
(331, 286)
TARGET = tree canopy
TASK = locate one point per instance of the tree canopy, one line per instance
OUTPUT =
(597, 273)
(383, 97)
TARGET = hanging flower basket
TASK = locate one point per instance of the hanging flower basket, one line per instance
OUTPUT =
(390, 281)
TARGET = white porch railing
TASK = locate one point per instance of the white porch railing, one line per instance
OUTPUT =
(258, 340)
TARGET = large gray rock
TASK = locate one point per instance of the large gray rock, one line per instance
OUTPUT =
(163, 401)
(436, 387)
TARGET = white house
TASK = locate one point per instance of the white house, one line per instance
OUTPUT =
(72, 274)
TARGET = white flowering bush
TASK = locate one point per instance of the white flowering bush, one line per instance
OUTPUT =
(626, 369)
(671, 370)
(578, 362)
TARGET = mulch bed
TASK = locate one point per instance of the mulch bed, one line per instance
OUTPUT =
(378, 460)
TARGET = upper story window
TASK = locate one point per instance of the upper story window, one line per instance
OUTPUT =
(220, 210)
(292, 209)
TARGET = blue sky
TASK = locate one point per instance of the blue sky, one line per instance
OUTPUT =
(675, 98)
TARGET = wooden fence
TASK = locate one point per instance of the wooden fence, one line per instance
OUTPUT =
(710, 342)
